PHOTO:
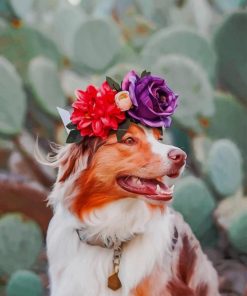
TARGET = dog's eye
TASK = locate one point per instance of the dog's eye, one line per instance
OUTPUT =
(129, 141)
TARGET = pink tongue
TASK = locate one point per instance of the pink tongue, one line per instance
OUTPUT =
(147, 185)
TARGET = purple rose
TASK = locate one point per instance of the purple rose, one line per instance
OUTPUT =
(153, 101)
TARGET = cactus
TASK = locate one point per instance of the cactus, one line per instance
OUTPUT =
(182, 42)
(161, 12)
(210, 236)
(231, 216)
(118, 71)
(11, 117)
(57, 47)
(3, 24)
(21, 45)
(230, 209)
(70, 81)
(20, 243)
(201, 147)
(198, 13)
(225, 167)
(181, 139)
(225, 125)
(228, 5)
(24, 283)
(22, 8)
(190, 81)
(65, 24)
(231, 47)
(195, 202)
(12, 9)
(98, 52)
(238, 234)
(132, 25)
(5, 9)
(146, 7)
(18, 193)
(44, 80)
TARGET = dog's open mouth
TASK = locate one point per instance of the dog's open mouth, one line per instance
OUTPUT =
(150, 188)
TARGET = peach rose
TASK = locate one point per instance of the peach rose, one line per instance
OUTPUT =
(123, 100)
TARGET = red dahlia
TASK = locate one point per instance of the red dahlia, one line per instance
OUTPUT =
(95, 112)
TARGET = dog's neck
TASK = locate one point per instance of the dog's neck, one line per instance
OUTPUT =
(123, 220)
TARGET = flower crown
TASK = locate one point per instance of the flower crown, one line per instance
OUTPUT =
(144, 99)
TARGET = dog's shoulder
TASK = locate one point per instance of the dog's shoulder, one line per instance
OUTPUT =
(192, 269)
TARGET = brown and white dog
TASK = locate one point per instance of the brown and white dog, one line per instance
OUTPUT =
(110, 190)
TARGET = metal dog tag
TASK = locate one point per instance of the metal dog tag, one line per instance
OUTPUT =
(114, 282)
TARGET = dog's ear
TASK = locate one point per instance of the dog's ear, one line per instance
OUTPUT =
(70, 159)
(77, 157)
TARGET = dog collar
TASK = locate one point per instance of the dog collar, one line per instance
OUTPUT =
(97, 241)
(114, 243)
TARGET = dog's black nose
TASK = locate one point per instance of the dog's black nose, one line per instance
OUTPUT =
(177, 156)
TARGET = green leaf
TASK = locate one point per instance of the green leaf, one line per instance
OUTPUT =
(161, 131)
(44, 79)
(71, 126)
(122, 129)
(12, 98)
(74, 137)
(145, 73)
(134, 120)
(113, 84)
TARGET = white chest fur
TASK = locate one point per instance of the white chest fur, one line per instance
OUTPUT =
(78, 269)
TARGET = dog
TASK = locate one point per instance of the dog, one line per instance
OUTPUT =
(113, 232)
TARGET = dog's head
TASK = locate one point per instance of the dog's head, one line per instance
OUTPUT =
(103, 171)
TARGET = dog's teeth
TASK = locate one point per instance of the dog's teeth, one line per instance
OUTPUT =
(158, 189)
(138, 181)
(172, 188)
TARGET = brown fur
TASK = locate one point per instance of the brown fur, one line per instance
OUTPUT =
(97, 185)
(89, 145)
(180, 285)
(69, 164)
(146, 286)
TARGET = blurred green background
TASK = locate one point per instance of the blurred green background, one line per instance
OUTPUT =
(48, 48)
